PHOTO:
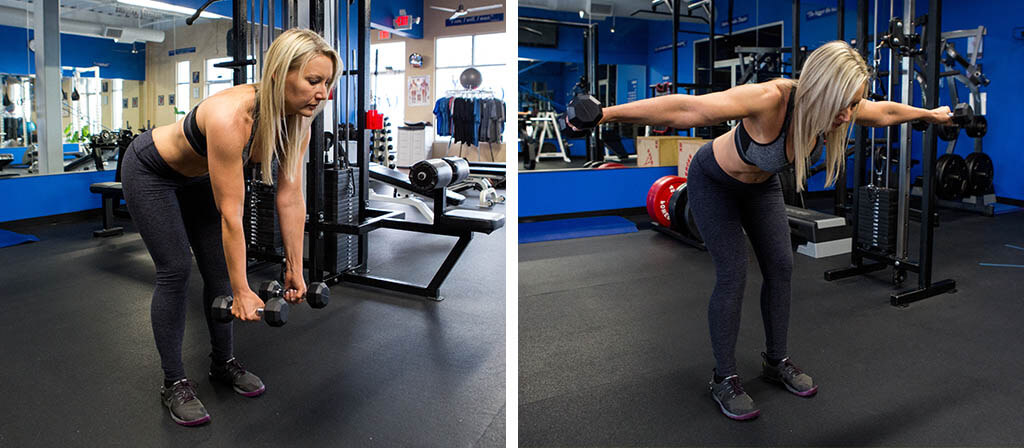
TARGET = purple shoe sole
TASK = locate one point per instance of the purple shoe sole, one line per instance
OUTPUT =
(254, 393)
(196, 422)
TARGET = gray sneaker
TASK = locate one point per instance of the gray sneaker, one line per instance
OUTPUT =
(734, 402)
(243, 381)
(184, 405)
(794, 379)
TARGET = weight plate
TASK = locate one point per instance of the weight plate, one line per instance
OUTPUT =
(658, 197)
(980, 173)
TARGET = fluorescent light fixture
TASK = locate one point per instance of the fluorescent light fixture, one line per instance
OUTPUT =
(152, 4)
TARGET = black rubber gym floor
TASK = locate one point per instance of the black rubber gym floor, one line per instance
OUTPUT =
(374, 368)
(614, 347)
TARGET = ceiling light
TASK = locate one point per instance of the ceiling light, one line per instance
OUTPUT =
(581, 13)
(152, 4)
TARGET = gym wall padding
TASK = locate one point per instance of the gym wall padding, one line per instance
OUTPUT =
(19, 151)
(115, 60)
(35, 196)
(575, 191)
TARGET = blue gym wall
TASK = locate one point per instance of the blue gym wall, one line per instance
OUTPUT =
(818, 23)
(115, 60)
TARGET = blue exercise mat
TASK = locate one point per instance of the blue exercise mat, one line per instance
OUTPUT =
(8, 238)
(563, 229)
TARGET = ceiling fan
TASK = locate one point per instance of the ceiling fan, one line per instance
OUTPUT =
(462, 10)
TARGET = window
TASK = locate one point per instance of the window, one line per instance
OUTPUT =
(455, 54)
(219, 78)
(387, 84)
(88, 110)
(181, 92)
(116, 93)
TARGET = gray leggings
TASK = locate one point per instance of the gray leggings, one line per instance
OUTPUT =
(174, 214)
(723, 208)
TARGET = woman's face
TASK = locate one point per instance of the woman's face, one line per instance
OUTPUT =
(846, 113)
(304, 91)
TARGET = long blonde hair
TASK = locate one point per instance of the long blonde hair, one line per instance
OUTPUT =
(276, 132)
(828, 82)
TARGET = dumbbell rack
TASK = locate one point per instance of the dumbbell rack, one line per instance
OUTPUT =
(872, 209)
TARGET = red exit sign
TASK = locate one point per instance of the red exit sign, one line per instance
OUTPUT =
(403, 23)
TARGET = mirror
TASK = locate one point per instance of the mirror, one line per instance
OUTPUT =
(90, 106)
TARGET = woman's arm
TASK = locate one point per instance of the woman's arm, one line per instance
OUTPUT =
(291, 212)
(687, 111)
(888, 113)
(225, 140)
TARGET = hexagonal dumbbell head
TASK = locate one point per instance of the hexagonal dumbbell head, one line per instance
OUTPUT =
(270, 289)
(568, 132)
(318, 295)
(584, 111)
(963, 114)
(221, 309)
(275, 312)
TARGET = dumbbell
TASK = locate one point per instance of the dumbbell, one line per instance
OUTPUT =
(318, 294)
(963, 114)
(274, 311)
(584, 111)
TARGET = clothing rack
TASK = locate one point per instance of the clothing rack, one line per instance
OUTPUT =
(471, 93)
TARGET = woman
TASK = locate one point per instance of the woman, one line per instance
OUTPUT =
(185, 186)
(733, 187)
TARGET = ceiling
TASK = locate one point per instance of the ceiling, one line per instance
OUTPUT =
(601, 8)
(92, 17)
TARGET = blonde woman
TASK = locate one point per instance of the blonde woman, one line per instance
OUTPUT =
(733, 186)
(184, 185)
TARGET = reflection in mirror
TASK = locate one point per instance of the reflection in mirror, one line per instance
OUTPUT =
(94, 111)
(546, 88)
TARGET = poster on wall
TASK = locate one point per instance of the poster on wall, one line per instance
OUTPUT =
(419, 90)
(195, 92)
(195, 77)
(160, 100)
(125, 102)
(170, 100)
(135, 102)
(105, 86)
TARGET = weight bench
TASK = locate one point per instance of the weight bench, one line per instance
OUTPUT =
(819, 234)
(459, 223)
(112, 195)
(405, 192)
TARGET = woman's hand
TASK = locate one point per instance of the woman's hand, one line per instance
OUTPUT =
(294, 287)
(940, 115)
(245, 305)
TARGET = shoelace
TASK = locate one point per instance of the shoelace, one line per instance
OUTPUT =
(184, 391)
(234, 368)
(735, 386)
(790, 369)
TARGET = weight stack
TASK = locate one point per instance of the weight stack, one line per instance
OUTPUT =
(262, 229)
(341, 205)
(877, 218)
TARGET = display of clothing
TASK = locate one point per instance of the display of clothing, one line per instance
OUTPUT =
(470, 120)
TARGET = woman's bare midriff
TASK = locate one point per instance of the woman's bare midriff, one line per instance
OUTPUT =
(176, 150)
(763, 129)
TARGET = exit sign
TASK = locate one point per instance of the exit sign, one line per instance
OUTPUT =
(403, 23)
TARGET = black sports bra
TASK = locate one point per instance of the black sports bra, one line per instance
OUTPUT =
(196, 138)
(770, 157)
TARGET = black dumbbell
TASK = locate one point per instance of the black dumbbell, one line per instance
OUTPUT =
(584, 111)
(963, 114)
(318, 294)
(274, 311)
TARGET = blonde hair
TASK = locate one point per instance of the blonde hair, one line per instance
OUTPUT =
(828, 82)
(276, 132)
